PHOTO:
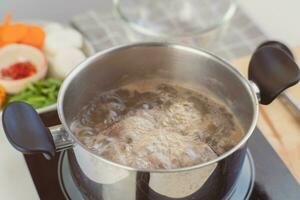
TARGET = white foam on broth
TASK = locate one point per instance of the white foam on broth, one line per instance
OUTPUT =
(157, 124)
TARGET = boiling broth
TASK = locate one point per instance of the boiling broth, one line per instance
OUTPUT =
(155, 124)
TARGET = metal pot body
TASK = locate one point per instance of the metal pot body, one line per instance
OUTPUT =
(216, 181)
(193, 68)
(188, 67)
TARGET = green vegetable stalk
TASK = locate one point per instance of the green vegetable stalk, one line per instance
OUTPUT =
(39, 94)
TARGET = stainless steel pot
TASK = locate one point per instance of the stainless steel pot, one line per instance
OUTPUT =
(271, 70)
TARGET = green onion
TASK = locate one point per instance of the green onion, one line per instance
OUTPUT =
(39, 94)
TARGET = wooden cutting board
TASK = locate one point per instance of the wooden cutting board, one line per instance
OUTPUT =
(278, 124)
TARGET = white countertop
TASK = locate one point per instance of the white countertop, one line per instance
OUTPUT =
(278, 19)
(15, 179)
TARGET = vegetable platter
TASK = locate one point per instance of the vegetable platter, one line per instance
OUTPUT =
(35, 57)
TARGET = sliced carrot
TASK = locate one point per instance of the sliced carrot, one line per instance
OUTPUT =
(2, 43)
(34, 37)
(6, 22)
(7, 18)
(14, 32)
(2, 95)
(1, 29)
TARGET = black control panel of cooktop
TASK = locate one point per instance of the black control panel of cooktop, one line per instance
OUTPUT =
(273, 181)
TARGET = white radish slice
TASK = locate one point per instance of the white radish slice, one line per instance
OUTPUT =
(64, 61)
(58, 39)
(14, 53)
(52, 27)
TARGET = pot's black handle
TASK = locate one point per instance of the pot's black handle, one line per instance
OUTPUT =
(273, 69)
(26, 131)
(278, 45)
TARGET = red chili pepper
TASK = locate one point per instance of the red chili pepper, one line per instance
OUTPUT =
(19, 70)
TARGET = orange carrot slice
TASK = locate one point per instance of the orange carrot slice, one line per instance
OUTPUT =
(1, 29)
(2, 95)
(6, 22)
(7, 18)
(2, 43)
(13, 33)
(34, 37)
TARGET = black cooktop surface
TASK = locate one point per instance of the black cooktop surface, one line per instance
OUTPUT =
(272, 178)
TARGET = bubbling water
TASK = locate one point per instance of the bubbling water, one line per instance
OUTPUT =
(155, 124)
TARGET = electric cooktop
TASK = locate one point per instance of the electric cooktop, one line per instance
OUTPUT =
(263, 177)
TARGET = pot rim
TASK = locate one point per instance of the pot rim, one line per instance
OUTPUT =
(198, 51)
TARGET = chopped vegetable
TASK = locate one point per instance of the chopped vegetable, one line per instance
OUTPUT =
(53, 27)
(14, 33)
(65, 59)
(34, 37)
(7, 18)
(2, 95)
(62, 38)
(21, 33)
(19, 70)
(2, 43)
(15, 53)
(39, 94)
